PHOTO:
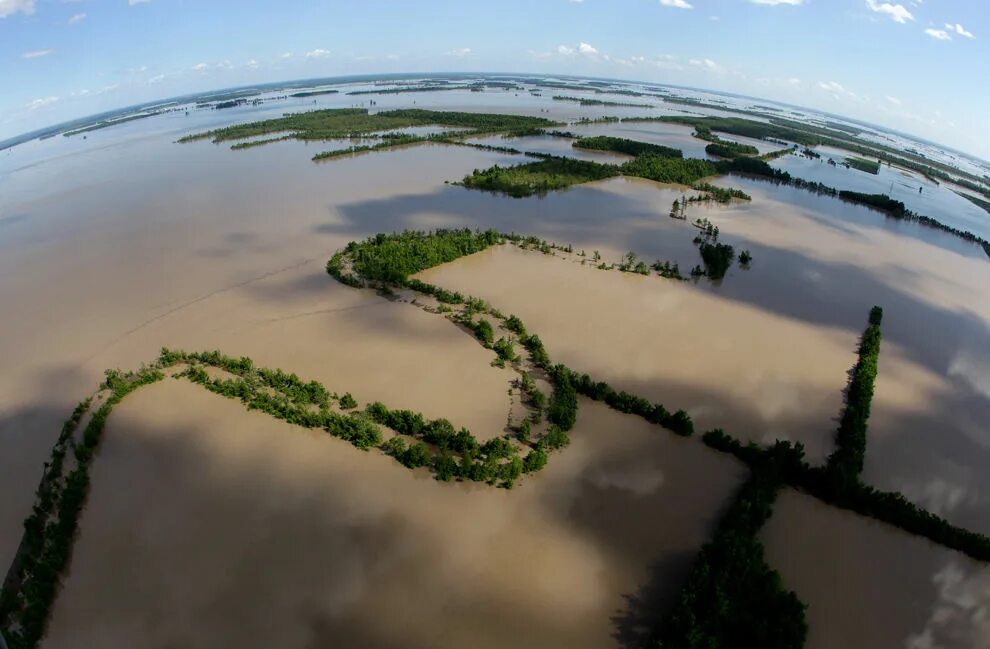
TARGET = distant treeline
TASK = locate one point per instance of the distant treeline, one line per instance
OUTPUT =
(598, 102)
(314, 93)
(336, 123)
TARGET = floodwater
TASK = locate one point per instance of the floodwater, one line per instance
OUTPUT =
(869, 585)
(212, 526)
(936, 200)
(115, 245)
(766, 377)
(672, 135)
(559, 146)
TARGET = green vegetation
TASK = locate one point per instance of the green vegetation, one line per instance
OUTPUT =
(869, 166)
(727, 149)
(807, 135)
(394, 257)
(538, 177)
(846, 462)
(598, 102)
(718, 194)
(314, 93)
(732, 598)
(717, 258)
(629, 147)
(669, 170)
(50, 530)
(386, 143)
(336, 123)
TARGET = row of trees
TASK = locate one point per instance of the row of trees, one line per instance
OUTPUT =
(50, 529)
(846, 462)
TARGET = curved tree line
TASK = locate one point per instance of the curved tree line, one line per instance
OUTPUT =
(730, 594)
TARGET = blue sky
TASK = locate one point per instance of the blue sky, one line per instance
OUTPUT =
(921, 66)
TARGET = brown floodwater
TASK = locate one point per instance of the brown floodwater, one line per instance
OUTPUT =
(869, 585)
(766, 377)
(212, 526)
(113, 246)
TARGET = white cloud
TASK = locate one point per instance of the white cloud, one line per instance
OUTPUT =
(584, 48)
(677, 4)
(77, 18)
(774, 3)
(939, 34)
(285, 55)
(200, 66)
(11, 7)
(897, 13)
(576, 2)
(317, 54)
(566, 51)
(131, 3)
(794, 81)
(957, 28)
(460, 51)
(158, 78)
(225, 65)
(707, 64)
(252, 64)
(893, 100)
(40, 103)
(36, 54)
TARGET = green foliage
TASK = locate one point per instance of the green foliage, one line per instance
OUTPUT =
(394, 257)
(515, 325)
(846, 462)
(348, 402)
(598, 102)
(869, 166)
(669, 170)
(717, 258)
(505, 349)
(562, 409)
(339, 123)
(745, 257)
(629, 147)
(718, 194)
(731, 597)
(880, 202)
(728, 149)
(538, 177)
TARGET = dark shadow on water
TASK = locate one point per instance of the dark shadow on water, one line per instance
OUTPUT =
(637, 620)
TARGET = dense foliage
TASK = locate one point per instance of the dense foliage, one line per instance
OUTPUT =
(727, 149)
(623, 145)
(538, 177)
(869, 166)
(394, 257)
(731, 597)
(669, 170)
(335, 123)
(846, 462)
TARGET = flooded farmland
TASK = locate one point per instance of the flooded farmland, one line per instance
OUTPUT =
(300, 540)
(124, 242)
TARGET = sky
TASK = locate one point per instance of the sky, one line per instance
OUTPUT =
(918, 66)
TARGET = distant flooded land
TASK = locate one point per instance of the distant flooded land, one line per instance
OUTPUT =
(607, 364)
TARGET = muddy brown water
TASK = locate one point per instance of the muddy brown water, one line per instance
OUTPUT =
(212, 526)
(113, 246)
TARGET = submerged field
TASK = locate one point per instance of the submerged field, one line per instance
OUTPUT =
(201, 499)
